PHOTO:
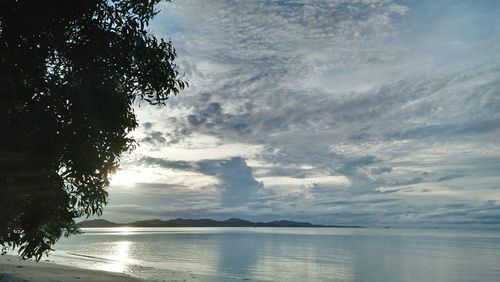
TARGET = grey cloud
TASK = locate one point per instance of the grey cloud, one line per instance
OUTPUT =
(141, 212)
(207, 167)
(349, 165)
(147, 125)
(359, 202)
(449, 177)
(455, 205)
(403, 182)
(157, 186)
(381, 169)
(446, 130)
(184, 165)
(210, 115)
(237, 182)
(155, 138)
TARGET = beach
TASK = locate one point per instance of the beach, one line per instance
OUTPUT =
(47, 270)
(13, 269)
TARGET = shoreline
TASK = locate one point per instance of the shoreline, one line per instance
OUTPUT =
(13, 270)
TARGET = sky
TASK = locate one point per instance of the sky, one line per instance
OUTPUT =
(366, 112)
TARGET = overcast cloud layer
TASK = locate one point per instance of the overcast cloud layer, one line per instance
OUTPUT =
(369, 112)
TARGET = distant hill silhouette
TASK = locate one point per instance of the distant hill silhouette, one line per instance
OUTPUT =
(98, 223)
(181, 222)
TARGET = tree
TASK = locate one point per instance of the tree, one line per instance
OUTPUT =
(70, 73)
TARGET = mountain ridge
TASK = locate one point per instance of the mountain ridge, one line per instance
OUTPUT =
(182, 222)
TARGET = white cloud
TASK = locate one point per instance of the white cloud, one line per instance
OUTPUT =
(290, 184)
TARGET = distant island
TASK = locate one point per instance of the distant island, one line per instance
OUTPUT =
(181, 222)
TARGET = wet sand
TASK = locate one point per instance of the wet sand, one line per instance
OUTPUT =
(13, 269)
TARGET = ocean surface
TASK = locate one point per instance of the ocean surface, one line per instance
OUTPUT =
(288, 254)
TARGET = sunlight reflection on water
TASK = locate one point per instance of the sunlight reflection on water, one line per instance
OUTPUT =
(120, 257)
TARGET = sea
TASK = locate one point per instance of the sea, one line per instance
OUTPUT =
(286, 254)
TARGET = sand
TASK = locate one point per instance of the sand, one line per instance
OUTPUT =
(12, 269)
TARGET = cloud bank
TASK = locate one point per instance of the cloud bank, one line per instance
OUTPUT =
(368, 112)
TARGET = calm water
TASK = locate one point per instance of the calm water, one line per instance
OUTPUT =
(289, 254)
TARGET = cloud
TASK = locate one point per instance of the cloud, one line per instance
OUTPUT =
(380, 169)
(154, 138)
(165, 163)
(238, 185)
(147, 125)
(358, 112)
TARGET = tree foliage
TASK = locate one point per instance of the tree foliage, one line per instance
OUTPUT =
(70, 72)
